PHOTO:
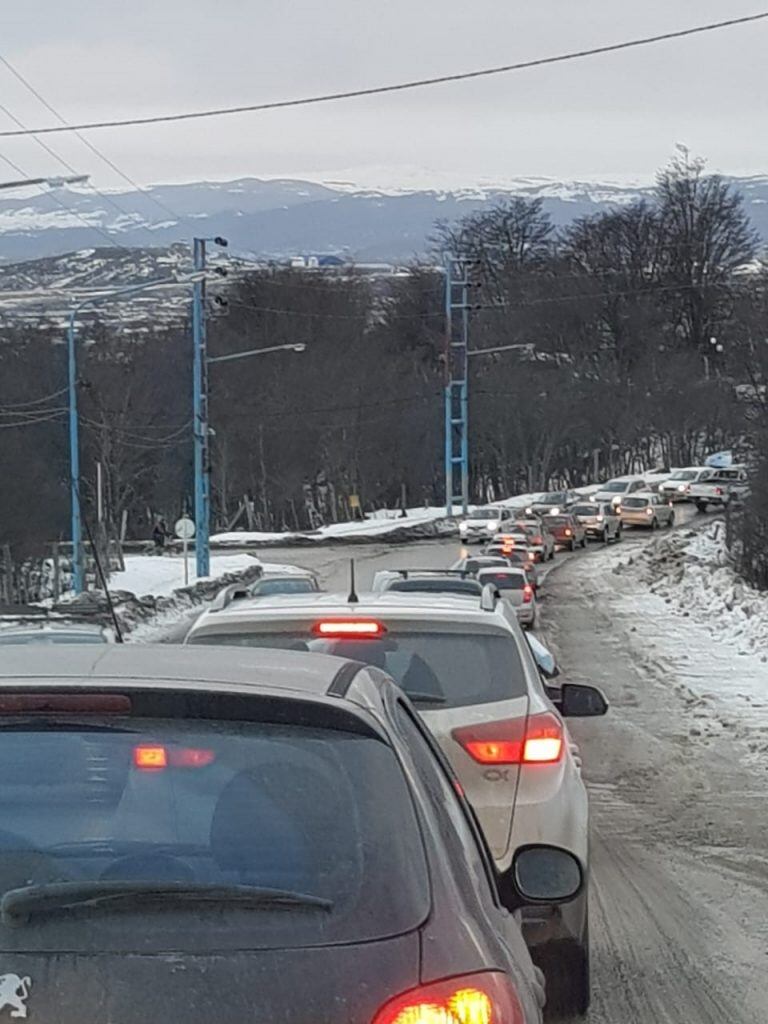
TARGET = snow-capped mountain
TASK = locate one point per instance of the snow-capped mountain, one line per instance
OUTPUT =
(283, 217)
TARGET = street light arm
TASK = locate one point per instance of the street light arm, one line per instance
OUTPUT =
(296, 347)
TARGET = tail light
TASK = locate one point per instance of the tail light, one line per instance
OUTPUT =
(483, 998)
(154, 757)
(527, 593)
(719, 490)
(537, 739)
(538, 540)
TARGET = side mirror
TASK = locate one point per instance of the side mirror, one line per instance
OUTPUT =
(542, 874)
(578, 700)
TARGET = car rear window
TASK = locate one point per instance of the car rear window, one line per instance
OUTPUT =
(298, 586)
(635, 502)
(504, 580)
(451, 669)
(436, 586)
(559, 520)
(312, 810)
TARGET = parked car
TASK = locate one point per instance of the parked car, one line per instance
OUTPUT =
(515, 587)
(481, 523)
(650, 510)
(553, 501)
(722, 488)
(678, 486)
(283, 823)
(600, 520)
(567, 531)
(470, 672)
(616, 490)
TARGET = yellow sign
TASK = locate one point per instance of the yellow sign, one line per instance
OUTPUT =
(354, 501)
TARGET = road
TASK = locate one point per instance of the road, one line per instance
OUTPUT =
(679, 897)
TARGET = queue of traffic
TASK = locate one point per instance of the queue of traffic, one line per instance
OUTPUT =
(363, 806)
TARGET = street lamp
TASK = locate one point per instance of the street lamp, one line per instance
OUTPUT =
(78, 572)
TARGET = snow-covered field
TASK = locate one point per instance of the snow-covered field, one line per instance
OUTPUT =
(160, 575)
(689, 619)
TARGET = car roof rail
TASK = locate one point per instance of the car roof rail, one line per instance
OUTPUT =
(429, 572)
(489, 597)
(234, 592)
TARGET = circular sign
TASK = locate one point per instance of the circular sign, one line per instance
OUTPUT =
(184, 528)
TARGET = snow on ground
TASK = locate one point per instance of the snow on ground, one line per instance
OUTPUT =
(693, 623)
(161, 575)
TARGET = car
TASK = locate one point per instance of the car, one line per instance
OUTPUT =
(514, 586)
(553, 501)
(538, 537)
(599, 519)
(471, 674)
(267, 586)
(614, 491)
(56, 633)
(678, 486)
(567, 531)
(481, 523)
(524, 558)
(270, 836)
(426, 581)
(472, 564)
(647, 509)
(724, 487)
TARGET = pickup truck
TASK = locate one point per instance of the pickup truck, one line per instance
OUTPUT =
(721, 488)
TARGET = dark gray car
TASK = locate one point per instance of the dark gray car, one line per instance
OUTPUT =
(199, 835)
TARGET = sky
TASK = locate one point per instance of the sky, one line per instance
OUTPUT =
(609, 118)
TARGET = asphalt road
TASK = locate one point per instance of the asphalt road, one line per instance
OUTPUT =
(679, 892)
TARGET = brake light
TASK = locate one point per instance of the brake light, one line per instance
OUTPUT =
(527, 593)
(150, 757)
(349, 628)
(536, 740)
(718, 490)
(482, 998)
(538, 540)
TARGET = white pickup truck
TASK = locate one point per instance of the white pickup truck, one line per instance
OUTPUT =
(721, 488)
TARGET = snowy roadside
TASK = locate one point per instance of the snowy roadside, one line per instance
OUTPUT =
(690, 620)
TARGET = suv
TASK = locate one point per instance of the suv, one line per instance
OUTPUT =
(482, 523)
(514, 586)
(678, 486)
(283, 823)
(471, 673)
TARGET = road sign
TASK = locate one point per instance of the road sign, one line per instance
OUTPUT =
(184, 528)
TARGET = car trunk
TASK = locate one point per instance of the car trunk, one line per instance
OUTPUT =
(282, 986)
(494, 804)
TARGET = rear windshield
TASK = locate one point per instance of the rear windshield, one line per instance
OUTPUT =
(436, 586)
(475, 564)
(635, 502)
(444, 669)
(312, 810)
(559, 520)
(504, 580)
(298, 586)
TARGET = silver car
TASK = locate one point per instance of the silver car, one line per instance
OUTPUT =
(648, 509)
(600, 519)
(516, 589)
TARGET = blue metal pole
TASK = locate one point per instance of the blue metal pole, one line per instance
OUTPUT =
(464, 399)
(78, 574)
(200, 417)
(448, 265)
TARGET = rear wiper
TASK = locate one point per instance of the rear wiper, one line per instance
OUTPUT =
(19, 905)
(424, 698)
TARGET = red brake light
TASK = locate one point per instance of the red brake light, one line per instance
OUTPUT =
(538, 539)
(150, 757)
(483, 998)
(527, 593)
(349, 628)
(718, 490)
(537, 740)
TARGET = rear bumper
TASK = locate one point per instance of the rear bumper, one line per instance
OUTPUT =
(639, 520)
(526, 614)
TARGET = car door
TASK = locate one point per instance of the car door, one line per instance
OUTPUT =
(465, 842)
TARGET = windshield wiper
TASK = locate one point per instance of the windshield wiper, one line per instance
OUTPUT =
(424, 698)
(19, 905)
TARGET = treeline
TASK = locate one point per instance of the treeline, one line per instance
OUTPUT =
(639, 339)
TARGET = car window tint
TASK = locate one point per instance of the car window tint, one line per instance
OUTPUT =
(313, 810)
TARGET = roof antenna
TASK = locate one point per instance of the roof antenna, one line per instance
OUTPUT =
(353, 598)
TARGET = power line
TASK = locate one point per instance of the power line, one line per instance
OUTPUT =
(86, 142)
(379, 90)
(35, 401)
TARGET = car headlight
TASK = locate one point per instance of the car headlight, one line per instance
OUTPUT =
(615, 501)
(463, 527)
(494, 526)
(681, 487)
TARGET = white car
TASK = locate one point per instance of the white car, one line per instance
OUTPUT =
(620, 487)
(481, 523)
(515, 587)
(469, 670)
(678, 486)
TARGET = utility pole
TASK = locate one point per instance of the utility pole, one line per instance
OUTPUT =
(200, 413)
(456, 387)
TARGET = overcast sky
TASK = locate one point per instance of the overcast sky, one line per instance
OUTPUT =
(615, 116)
